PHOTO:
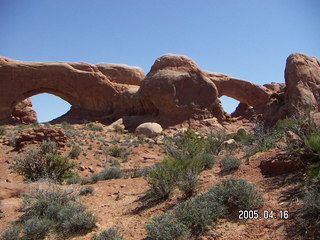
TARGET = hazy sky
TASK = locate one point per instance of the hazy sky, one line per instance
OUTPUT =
(248, 39)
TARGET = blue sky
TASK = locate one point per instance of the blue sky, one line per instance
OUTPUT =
(248, 39)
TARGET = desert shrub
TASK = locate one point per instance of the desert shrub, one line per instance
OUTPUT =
(75, 219)
(239, 194)
(79, 180)
(310, 211)
(43, 163)
(312, 143)
(162, 182)
(166, 227)
(2, 130)
(36, 228)
(86, 190)
(118, 129)
(214, 142)
(52, 209)
(94, 127)
(172, 173)
(313, 170)
(187, 146)
(200, 211)
(207, 160)
(116, 151)
(142, 172)
(229, 164)
(110, 173)
(188, 181)
(75, 152)
(288, 124)
(262, 140)
(108, 234)
(11, 233)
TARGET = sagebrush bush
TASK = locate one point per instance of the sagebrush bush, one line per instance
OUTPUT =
(166, 227)
(108, 234)
(162, 182)
(86, 190)
(51, 209)
(75, 152)
(36, 228)
(207, 160)
(11, 233)
(142, 172)
(187, 146)
(110, 173)
(75, 219)
(310, 212)
(239, 194)
(174, 173)
(200, 211)
(230, 163)
(118, 129)
(94, 127)
(43, 163)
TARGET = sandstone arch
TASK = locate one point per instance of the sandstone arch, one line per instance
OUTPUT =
(244, 91)
(83, 85)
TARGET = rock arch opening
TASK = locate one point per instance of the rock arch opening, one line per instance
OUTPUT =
(229, 104)
(49, 106)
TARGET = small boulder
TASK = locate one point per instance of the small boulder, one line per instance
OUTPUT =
(150, 129)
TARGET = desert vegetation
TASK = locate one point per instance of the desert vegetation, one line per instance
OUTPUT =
(196, 175)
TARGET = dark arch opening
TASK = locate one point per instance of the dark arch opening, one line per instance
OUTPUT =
(49, 106)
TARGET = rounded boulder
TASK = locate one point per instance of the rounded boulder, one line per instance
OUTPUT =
(150, 129)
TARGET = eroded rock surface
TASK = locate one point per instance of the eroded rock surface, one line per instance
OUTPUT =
(174, 91)
(24, 112)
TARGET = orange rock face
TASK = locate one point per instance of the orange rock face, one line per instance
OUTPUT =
(23, 112)
(175, 90)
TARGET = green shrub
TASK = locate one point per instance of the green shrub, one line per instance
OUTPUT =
(263, 139)
(94, 127)
(110, 173)
(11, 233)
(142, 172)
(229, 164)
(310, 212)
(162, 181)
(52, 209)
(313, 170)
(36, 228)
(43, 163)
(207, 160)
(108, 234)
(166, 227)
(75, 152)
(239, 194)
(86, 190)
(118, 129)
(200, 211)
(2, 130)
(75, 219)
(187, 146)
(312, 142)
(215, 142)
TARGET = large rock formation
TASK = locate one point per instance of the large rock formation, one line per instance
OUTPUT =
(300, 92)
(302, 75)
(175, 90)
(244, 91)
(23, 112)
(83, 85)
(178, 89)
